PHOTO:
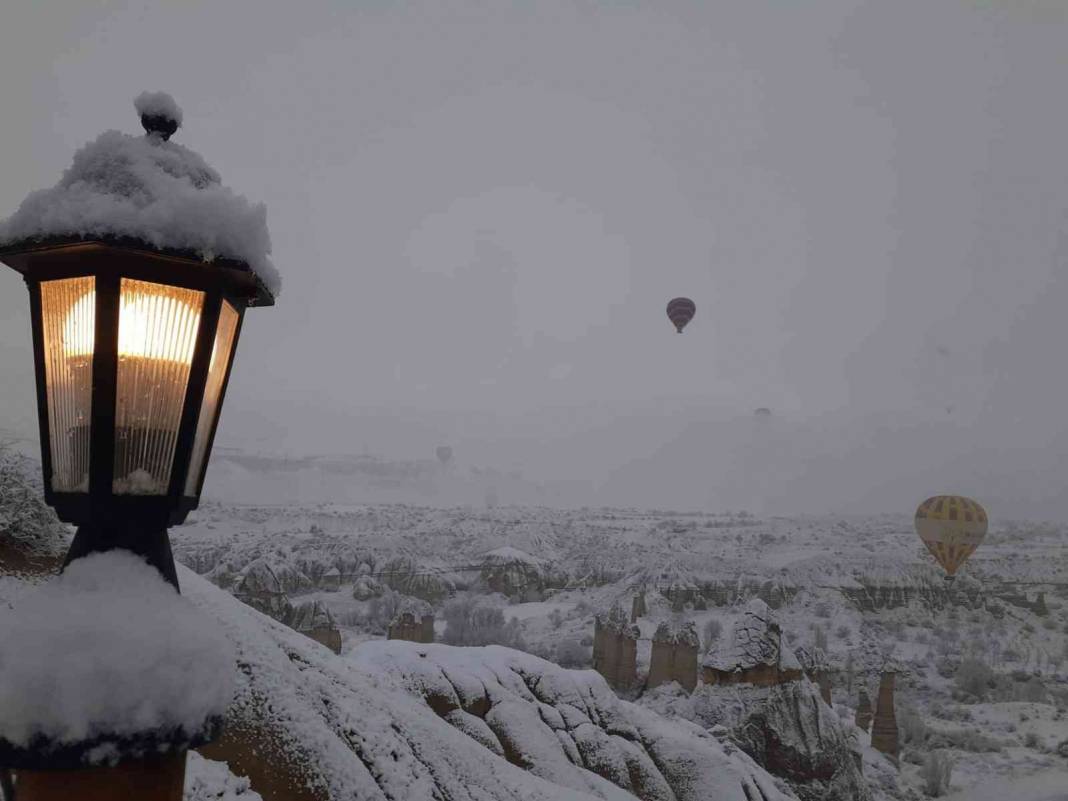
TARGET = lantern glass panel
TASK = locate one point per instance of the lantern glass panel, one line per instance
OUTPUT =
(158, 327)
(68, 322)
(209, 407)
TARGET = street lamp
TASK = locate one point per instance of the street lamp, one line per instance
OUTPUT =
(140, 266)
(133, 346)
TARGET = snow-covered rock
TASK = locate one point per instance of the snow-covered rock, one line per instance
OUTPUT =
(261, 588)
(755, 653)
(310, 615)
(208, 780)
(792, 733)
(567, 726)
(514, 573)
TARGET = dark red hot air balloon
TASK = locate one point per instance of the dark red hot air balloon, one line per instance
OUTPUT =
(680, 311)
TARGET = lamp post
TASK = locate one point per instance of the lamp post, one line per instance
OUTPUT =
(133, 345)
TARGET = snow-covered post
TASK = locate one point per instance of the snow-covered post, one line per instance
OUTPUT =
(107, 677)
(140, 266)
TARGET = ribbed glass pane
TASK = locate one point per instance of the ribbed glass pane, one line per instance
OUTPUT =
(68, 318)
(209, 407)
(157, 335)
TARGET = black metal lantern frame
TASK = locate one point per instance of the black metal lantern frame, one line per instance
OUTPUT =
(124, 337)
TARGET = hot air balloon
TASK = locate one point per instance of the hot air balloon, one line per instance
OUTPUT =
(444, 453)
(951, 527)
(680, 311)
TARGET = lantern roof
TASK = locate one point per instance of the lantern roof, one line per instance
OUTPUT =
(150, 193)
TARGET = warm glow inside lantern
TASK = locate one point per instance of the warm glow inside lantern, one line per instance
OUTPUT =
(157, 333)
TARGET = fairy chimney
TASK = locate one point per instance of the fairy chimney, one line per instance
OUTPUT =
(863, 719)
(615, 649)
(884, 727)
(824, 682)
(637, 607)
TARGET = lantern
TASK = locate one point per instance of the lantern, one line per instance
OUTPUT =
(133, 343)
(133, 349)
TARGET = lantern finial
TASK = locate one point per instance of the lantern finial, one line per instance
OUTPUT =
(160, 115)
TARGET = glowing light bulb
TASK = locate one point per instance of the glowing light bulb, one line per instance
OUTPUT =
(147, 327)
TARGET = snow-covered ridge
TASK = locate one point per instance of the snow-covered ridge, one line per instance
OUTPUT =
(150, 190)
(568, 726)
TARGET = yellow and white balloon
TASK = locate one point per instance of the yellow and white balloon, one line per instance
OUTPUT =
(951, 527)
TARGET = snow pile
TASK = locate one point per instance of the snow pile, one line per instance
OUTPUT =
(108, 648)
(208, 780)
(151, 190)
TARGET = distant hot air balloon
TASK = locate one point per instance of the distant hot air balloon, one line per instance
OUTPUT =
(444, 453)
(951, 527)
(762, 412)
(680, 311)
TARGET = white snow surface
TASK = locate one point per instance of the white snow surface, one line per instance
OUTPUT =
(509, 555)
(109, 648)
(151, 190)
(209, 780)
(352, 732)
(158, 104)
(360, 727)
(568, 726)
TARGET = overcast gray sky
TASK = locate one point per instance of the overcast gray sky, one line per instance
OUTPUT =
(480, 211)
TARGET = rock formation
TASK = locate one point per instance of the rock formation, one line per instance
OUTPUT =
(824, 682)
(331, 579)
(615, 649)
(637, 607)
(514, 573)
(406, 627)
(755, 653)
(674, 656)
(863, 718)
(788, 730)
(1040, 607)
(260, 588)
(565, 726)
(314, 620)
(884, 727)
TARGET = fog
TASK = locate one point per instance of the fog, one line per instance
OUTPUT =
(480, 212)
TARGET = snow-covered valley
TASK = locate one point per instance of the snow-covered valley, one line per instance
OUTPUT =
(521, 694)
(859, 592)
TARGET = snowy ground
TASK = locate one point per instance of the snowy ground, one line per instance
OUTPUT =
(862, 589)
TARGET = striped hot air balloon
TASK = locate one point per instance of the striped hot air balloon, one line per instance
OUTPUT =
(951, 527)
(680, 311)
